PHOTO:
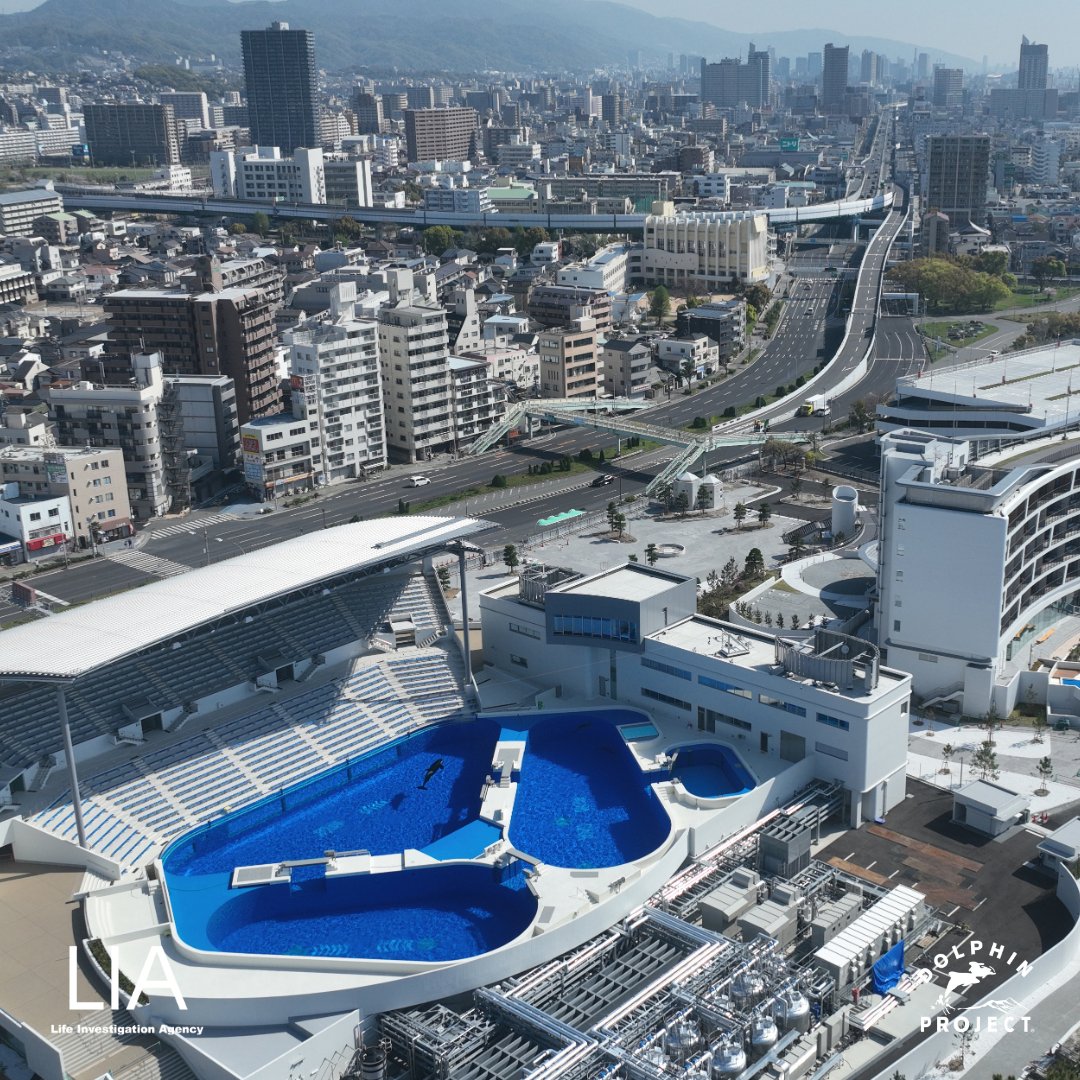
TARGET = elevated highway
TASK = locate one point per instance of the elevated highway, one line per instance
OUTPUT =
(126, 202)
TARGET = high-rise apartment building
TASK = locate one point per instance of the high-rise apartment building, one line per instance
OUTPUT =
(187, 105)
(281, 85)
(335, 376)
(1034, 62)
(957, 171)
(225, 327)
(730, 82)
(131, 135)
(369, 113)
(441, 134)
(948, 87)
(834, 78)
(570, 364)
(414, 352)
(868, 68)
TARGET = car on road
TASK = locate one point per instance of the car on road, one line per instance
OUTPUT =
(604, 480)
(418, 481)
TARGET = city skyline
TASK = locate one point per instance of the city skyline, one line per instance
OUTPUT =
(927, 25)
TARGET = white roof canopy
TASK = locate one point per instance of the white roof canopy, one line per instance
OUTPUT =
(78, 640)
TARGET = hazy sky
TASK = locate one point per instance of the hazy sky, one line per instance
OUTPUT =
(967, 27)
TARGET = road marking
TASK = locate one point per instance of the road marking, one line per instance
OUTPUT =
(148, 564)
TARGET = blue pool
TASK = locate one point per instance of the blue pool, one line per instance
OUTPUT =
(582, 803)
(638, 732)
(582, 800)
(710, 771)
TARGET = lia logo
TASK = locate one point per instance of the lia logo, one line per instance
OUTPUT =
(156, 961)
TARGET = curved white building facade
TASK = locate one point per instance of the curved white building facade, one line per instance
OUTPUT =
(706, 249)
(973, 561)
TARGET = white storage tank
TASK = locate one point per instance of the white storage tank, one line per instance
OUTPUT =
(687, 485)
(845, 509)
(763, 1036)
(792, 1012)
(729, 1060)
(681, 1040)
(714, 491)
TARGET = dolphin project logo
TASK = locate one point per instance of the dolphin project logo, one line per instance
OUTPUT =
(964, 968)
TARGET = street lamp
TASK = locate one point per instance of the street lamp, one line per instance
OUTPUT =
(90, 527)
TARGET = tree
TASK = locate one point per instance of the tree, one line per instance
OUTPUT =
(686, 371)
(739, 513)
(764, 514)
(1038, 717)
(947, 752)
(620, 524)
(498, 481)
(1046, 266)
(839, 538)
(780, 620)
(612, 510)
(702, 501)
(237, 228)
(524, 240)
(754, 565)
(437, 239)
(510, 557)
(1045, 769)
(660, 303)
(795, 622)
(651, 554)
(796, 487)
(768, 618)
(990, 722)
(985, 762)
(682, 503)
(730, 572)
(859, 415)
(260, 223)
(796, 547)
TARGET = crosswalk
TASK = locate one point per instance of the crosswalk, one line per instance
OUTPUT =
(148, 564)
(190, 526)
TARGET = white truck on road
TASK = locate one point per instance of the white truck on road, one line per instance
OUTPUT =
(818, 405)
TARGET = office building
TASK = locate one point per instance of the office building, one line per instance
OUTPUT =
(348, 181)
(281, 86)
(93, 480)
(1011, 554)
(948, 87)
(263, 173)
(369, 113)
(834, 78)
(608, 269)
(570, 364)
(414, 356)
(18, 209)
(624, 367)
(868, 68)
(336, 380)
(441, 134)
(723, 322)
(207, 405)
(957, 172)
(1034, 62)
(706, 249)
(282, 455)
(132, 135)
(187, 105)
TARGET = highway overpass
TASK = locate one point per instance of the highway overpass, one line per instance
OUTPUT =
(127, 202)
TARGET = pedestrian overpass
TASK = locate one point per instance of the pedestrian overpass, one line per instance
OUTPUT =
(614, 416)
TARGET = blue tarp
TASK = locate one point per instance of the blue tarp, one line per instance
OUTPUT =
(887, 971)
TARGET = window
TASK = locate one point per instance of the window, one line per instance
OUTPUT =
(665, 698)
(831, 751)
(896, 625)
(728, 688)
(779, 703)
(527, 631)
(928, 658)
(667, 669)
(587, 626)
(833, 721)
(707, 719)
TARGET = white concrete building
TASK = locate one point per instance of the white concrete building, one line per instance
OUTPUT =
(41, 524)
(414, 354)
(699, 350)
(261, 172)
(282, 455)
(634, 639)
(706, 249)
(334, 368)
(608, 269)
(973, 563)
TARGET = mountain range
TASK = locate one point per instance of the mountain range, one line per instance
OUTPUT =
(409, 35)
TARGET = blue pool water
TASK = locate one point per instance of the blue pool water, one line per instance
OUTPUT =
(710, 771)
(636, 732)
(376, 803)
(582, 801)
(1071, 682)
(430, 913)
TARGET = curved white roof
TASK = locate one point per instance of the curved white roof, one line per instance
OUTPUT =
(80, 639)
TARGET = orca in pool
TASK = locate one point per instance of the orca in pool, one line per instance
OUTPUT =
(435, 767)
